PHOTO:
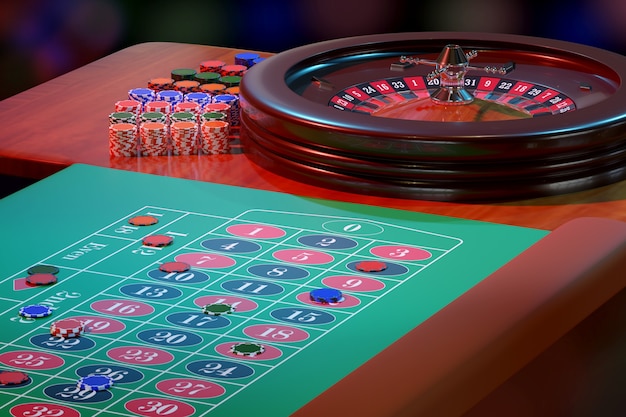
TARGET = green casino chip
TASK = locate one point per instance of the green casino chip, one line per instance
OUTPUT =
(207, 77)
(183, 116)
(247, 349)
(180, 74)
(43, 269)
(230, 80)
(217, 309)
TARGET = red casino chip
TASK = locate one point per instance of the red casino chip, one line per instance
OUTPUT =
(67, 328)
(12, 378)
(158, 241)
(174, 267)
(41, 279)
(233, 70)
(132, 106)
(158, 106)
(160, 84)
(371, 266)
(211, 66)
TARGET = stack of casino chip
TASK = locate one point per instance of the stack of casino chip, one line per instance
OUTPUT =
(153, 116)
(187, 86)
(212, 66)
(42, 275)
(172, 97)
(213, 88)
(213, 115)
(207, 77)
(233, 102)
(237, 70)
(67, 328)
(231, 80)
(214, 137)
(184, 80)
(246, 59)
(122, 117)
(189, 107)
(232, 84)
(159, 106)
(141, 125)
(232, 90)
(183, 116)
(218, 107)
(184, 138)
(142, 95)
(131, 106)
(200, 98)
(180, 74)
(160, 84)
(123, 139)
(153, 139)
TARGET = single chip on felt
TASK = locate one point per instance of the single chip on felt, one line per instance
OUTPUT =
(143, 220)
(174, 267)
(67, 328)
(371, 266)
(157, 240)
(95, 383)
(247, 349)
(12, 377)
(35, 311)
(326, 295)
(216, 309)
(41, 279)
(42, 269)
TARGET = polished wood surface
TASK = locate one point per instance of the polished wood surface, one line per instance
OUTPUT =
(65, 121)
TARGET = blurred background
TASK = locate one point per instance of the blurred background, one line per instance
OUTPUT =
(42, 39)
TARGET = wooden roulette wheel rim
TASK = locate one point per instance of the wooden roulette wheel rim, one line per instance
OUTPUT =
(287, 132)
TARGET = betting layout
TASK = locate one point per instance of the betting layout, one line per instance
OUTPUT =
(180, 312)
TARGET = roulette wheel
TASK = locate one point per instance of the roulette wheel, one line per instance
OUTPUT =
(440, 115)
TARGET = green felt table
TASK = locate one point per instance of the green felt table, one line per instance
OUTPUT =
(453, 292)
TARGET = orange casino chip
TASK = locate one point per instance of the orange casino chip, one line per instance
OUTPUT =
(143, 220)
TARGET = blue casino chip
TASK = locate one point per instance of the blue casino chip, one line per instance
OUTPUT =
(171, 96)
(143, 95)
(35, 311)
(246, 58)
(95, 383)
(326, 295)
